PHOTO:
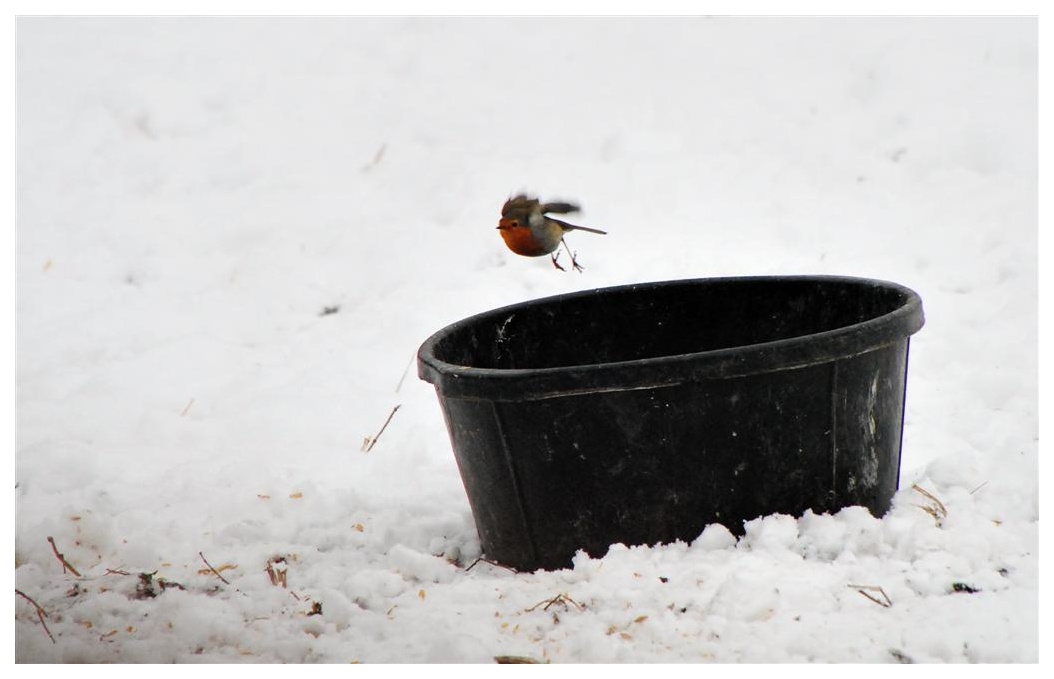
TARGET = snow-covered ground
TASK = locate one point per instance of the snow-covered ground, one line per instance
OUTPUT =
(195, 193)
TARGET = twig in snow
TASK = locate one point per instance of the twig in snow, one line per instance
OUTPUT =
(885, 601)
(978, 488)
(277, 570)
(922, 491)
(405, 372)
(217, 573)
(65, 564)
(168, 584)
(558, 599)
(514, 660)
(186, 408)
(492, 563)
(376, 158)
(367, 445)
(936, 508)
(41, 613)
(901, 656)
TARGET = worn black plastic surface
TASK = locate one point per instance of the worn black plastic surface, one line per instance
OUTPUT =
(642, 413)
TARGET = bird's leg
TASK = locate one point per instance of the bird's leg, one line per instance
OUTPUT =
(555, 256)
(574, 262)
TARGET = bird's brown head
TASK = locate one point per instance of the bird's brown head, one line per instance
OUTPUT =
(516, 212)
(520, 203)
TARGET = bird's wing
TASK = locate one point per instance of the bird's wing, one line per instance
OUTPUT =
(560, 208)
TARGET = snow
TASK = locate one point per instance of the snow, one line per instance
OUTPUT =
(195, 193)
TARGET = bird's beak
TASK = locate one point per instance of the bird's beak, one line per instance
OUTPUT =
(503, 224)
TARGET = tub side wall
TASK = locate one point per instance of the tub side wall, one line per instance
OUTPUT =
(868, 405)
(483, 455)
(548, 477)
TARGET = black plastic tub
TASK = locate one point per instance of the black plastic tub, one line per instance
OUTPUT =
(639, 414)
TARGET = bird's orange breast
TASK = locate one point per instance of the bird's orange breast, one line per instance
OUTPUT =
(521, 241)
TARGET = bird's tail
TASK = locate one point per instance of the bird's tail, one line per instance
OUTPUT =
(573, 227)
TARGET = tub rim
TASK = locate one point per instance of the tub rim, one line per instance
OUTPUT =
(515, 384)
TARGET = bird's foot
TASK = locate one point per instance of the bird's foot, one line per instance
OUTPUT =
(555, 257)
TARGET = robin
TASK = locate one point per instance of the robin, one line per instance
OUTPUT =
(529, 232)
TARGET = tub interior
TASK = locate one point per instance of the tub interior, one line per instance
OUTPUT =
(669, 319)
